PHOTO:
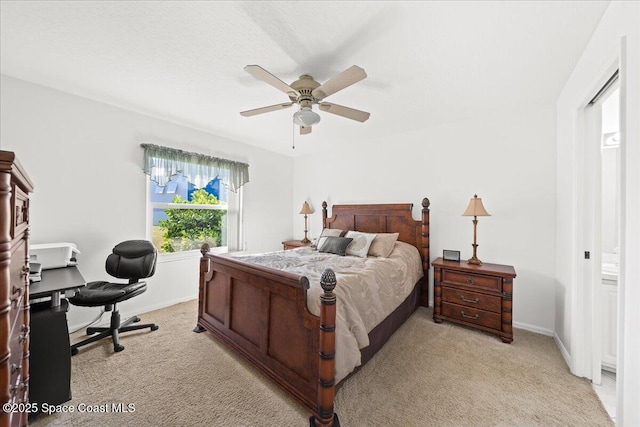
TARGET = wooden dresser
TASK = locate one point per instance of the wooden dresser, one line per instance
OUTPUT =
(15, 187)
(479, 296)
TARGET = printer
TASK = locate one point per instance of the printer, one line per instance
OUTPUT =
(35, 272)
(53, 255)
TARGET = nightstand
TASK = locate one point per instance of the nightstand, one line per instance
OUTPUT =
(478, 296)
(292, 244)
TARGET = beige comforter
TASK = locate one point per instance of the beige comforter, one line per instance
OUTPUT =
(368, 290)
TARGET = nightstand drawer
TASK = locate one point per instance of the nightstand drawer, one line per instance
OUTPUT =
(471, 299)
(293, 244)
(470, 279)
(472, 315)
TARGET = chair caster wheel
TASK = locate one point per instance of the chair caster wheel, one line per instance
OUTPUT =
(154, 328)
(118, 348)
(74, 351)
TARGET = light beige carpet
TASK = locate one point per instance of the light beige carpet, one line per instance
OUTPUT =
(427, 375)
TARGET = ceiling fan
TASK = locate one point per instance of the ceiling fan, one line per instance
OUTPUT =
(306, 92)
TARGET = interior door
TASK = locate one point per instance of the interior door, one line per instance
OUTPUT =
(602, 217)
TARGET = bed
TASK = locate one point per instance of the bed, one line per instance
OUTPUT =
(262, 313)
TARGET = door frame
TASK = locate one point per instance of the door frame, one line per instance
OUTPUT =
(592, 202)
(586, 310)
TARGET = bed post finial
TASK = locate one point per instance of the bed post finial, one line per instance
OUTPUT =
(326, 375)
(204, 249)
(205, 271)
(424, 251)
(328, 282)
(324, 214)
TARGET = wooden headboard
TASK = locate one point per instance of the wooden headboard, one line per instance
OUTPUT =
(384, 218)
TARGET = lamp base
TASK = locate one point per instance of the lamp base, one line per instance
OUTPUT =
(474, 260)
(305, 240)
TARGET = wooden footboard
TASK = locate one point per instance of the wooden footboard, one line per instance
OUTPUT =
(262, 314)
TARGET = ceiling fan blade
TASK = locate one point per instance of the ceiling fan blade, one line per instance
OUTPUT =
(304, 130)
(349, 113)
(261, 74)
(262, 110)
(346, 78)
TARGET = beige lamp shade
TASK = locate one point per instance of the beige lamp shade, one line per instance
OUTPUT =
(476, 208)
(306, 209)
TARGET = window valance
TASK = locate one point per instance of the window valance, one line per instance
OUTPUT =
(161, 163)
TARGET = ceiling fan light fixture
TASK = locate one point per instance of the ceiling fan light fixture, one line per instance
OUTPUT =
(306, 117)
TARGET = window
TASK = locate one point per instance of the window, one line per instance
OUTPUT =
(193, 199)
(185, 217)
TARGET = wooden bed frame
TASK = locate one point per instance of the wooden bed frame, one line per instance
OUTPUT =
(261, 313)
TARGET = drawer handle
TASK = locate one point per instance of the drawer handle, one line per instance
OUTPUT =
(469, 280)
(16, 300)
(25, 329)
(474, 301)
(14, 388)
(15, 367)
(23, 337)
(469, 317)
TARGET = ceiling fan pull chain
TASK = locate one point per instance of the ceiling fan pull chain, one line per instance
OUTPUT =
(293, 135)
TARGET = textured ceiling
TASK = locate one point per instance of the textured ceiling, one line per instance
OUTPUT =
(428, 63)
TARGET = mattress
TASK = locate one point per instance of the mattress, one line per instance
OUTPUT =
(367, 291)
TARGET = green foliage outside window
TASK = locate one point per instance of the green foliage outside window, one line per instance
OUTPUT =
(187, 229)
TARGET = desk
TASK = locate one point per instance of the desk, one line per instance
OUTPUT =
(50, 349)
(56, 281)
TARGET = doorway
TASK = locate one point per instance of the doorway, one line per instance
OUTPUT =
(610, 224)
(603, 196)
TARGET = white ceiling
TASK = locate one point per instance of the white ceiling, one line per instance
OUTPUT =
(428, 63)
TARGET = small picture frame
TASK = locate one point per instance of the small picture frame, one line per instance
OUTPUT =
(449, 255)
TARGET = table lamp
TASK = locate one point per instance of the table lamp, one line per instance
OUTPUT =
(306, 210)
(475, 209)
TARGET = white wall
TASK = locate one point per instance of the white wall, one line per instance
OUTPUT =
(506, 157)
(617, 34)
(85, 160)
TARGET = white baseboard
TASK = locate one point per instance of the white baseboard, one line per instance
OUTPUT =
(525, 326)
(548, 332)
(158, 306)
(563, 349)
(533, 328)
(519, 325)
(125, 314)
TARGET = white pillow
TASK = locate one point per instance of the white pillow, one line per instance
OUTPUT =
(326, 233)
(383, 244)
(361, 243)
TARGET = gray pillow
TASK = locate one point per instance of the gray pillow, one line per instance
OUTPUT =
(336, 245)
(325, 233)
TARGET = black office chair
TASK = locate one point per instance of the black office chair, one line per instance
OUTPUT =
(132, 260)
